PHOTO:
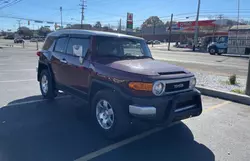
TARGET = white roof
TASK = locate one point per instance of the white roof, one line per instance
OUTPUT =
(91, 32)
(240, 27)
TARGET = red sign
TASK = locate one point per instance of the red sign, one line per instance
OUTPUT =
(192, 23)
(130, 17)
(130, 21)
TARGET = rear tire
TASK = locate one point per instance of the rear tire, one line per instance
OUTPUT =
(212, 51)
(46, 85)
(119, 124)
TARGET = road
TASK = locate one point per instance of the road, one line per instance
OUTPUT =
(220, 65)
(36, 129)
(27, 44)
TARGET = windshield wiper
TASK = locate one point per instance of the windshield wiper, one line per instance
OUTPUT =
(111, 56)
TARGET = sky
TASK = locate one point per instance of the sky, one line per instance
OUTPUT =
(109, 12)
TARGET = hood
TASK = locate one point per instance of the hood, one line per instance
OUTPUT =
(144, 66)
(212, 43)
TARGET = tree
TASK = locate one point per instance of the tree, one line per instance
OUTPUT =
(153, 21)
(137, 29)
(43, 31)
(24, 31)
(98, 25)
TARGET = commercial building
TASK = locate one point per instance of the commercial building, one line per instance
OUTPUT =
(239, 40)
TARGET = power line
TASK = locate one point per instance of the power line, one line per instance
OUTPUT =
(29, 19)
(11, 4)
(2, 2)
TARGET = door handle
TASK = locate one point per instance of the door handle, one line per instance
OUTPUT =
(63, 61)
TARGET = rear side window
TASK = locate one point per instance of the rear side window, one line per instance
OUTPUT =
(61, 44)
(78, 46)
(49, 41)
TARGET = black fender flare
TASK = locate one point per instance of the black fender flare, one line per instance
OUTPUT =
(48, 66)
(108, 85)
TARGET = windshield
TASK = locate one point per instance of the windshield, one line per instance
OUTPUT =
(122, 47)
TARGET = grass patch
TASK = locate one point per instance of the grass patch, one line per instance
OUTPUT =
(239, 91)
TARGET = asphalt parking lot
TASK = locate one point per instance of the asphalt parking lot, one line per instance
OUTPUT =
(35, 129)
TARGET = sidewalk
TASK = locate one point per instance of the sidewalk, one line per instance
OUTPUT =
(164, 47)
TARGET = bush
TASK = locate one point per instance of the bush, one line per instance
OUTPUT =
(232, 79)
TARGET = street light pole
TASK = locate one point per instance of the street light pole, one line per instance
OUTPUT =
(196, 26)
(61, 15)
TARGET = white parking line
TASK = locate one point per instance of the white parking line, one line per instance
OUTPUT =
(137, 137)
(17, 70)
(13, 81)
(119, 144)
(34, 101)
(18, 63)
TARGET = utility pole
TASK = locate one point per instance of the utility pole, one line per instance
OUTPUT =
(61, 16)
(238, 21)
(19, 23)
(170, 32)
(153, 27)
(248, 80)
(196, 26)
(153, 32)
(220, 18)
(82, 12)
(120, 26)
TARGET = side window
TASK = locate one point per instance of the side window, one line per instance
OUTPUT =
(78, 46)
(49, 41)
(61, 44)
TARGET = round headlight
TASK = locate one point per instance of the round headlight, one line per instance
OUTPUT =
(158, 88)
(192, 82)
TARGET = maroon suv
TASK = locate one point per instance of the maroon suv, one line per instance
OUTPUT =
(118, 77)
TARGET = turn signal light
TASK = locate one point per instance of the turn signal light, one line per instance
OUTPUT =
(39, 53)
(140, 86)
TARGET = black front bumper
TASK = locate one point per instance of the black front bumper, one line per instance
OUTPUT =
(170, 108)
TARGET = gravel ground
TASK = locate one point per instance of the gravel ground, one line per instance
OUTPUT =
(218, 82)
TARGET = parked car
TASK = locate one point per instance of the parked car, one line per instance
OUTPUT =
(121, 84)
(33, 40)
(40, 39)
(11, 37)
(157, 42)
(19, 40)
(150, 41)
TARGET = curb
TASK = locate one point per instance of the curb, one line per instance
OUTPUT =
(239, 98)
(236, 56)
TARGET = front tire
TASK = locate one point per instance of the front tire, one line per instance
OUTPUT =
(46, 85)
(109, 114)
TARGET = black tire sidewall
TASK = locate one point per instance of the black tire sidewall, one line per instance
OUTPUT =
(51, 90)
(121, 123)
(212, 53)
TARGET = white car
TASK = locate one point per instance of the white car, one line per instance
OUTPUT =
(33, 40)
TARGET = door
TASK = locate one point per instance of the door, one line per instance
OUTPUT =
(78, 65)
(58, 60)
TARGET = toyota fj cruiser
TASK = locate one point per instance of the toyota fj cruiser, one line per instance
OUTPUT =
(117, 75)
